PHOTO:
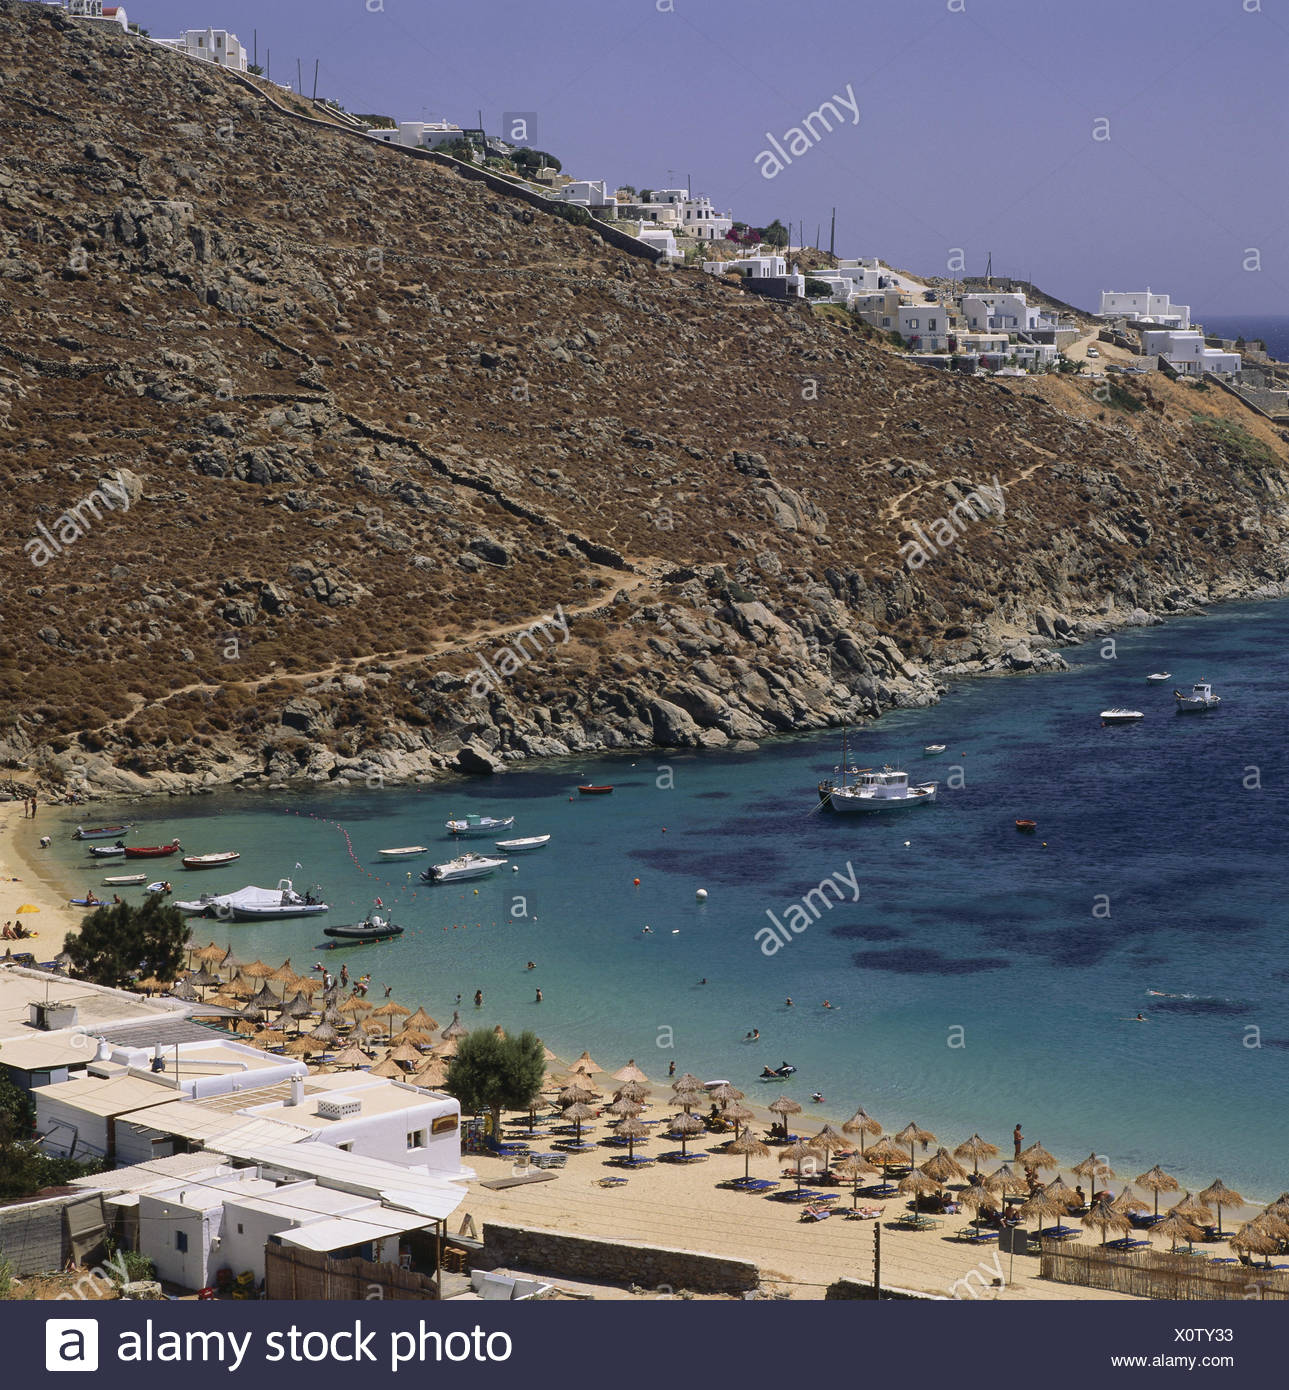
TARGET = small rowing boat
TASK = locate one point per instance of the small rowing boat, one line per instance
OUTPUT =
(123, 880)
(403, 852)
(108, 851)
(472, 825)
(1026, 825)
(210, 861)
(100, 832)
(933, 750)
(1121, 716)
(1156, 677)
(521, 846)
(152, 851)
(595, 791)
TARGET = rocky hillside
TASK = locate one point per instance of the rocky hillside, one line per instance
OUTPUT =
(296, 429)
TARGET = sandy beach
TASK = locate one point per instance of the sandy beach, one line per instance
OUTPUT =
(23, 879)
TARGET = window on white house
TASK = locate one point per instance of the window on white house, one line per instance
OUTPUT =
(239, 1229)
(181, 1242)
(416, 1139)
(348, 1148)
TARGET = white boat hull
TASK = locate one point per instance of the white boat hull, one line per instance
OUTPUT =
(846, 803)
(403, 852)
(1197, 706)
(272, 914)
(458, 870)
(477, 827)
(523, 846)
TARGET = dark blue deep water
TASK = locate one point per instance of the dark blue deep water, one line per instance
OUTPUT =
(984, 977)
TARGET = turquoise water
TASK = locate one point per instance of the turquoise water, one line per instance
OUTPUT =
(974, 983)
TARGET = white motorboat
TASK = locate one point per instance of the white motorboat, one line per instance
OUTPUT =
(124, 880)
(1156, 677)
(251, 904)
(1200, 699)
(933, 750)
(1120, 716)
(403, 852)
(480, 825)
(108, 851)
(524, 845)
(887, 790)
(462, 867)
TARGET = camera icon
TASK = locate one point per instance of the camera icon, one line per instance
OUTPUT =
(71, 1344)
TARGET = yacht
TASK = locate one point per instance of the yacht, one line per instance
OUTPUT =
(462, 867)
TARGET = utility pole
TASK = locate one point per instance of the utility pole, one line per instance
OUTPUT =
(268, 64)
(299, 78)
(255, 48)
(989, 271)
(877, 1259)
(316, 61)
(832, 234)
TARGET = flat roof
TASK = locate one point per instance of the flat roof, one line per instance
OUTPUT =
(155, 1173)
(42, 1051)
(338, 1233)
(306, 1199)
(372, 1100)
(112, 1095)
(194, 1119)
(202, 1196)
(166, 1030)
(95, 1004)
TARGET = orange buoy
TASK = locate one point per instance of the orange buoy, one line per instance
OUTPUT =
(636, 881)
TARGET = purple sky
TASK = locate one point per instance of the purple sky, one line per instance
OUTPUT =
(976, 122)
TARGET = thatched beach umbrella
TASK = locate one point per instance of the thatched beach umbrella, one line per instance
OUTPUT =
(738, 1115)
(405, 1052)
(1041, 1207)
(799, 1153)
(297, 1007)
(389, 1069)
(630, 1072)
(886, 1152)
(1280, 1206)
(303, 1047)
(1037, 1157)
(783, 1106)
(1061, 1191)
(416, 1037)
(1128, 1201)
(749, 1146)
(631, 1129)
(252, 1013)
(975, 1149)
(455, 1029)
(724, 1093)
(854, 1169)
(208, 955)
(1193, 1211)
(184, 991)
(351, 1056)
(977, 1197)
(1217, 1194)
(204, 979)
(919, 1184)
(1176, 1227)
(1253, 1240)
(573, 1094)
(355, 1006)
(1108, 1217)
(420, 1019)
(257, 970)
(863, 1124)
(1157, 1181)
(911, 1135)
(269, 1038)
(432, 1074)
(391, 1009)
(943, 1167)
(447, 1048)
(265, 998)
(1095, 1169)
(632, 1090)
(684, 1127)
(626, 1109)
(585, 1064)
(324, 1033)
(828, 1140)
(577, 1112)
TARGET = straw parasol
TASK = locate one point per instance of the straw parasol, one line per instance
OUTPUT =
(308, 985)
(585, 1064)
(184, 990)
(684, 1127)
(886, 1152)
(359, 1035)
(391, 1009)
(626, 1109)
(1176, 1226)
(351, 1056)
(269, 1038)
(738, 1115)
(333, 1016)
(325, 1033)
(265, 998)
(1128, 1201)
(1253, 1240)
(976, 1197)
(783, 1106)
(1036, 1157)
(630, 1072)
(455, 1029)
(417, 1037)
(356, 1005)
(943, 1167)
(388, 1068)
(257, 970)
(798, 1153)
(499, 1031)
(208, 955)
(1193, 1211)
(405, 1052)
(203, 979)
(252, 1013)
(631, 1129)
(828, 1140)
(975, 1149)
(632, 1090)
(302, 1047)
(1219, 1195)
(1106, 1215)
(420, 1019)
(447, 1048)
(432, 1075)
(1157, 1181)
(547, 1055)
(918, 1182)
(150, 983)
(577, 1112)
(1095, 1169)
(724, 1093)
(576, 1094)
(749, 1146)
(1062, 1192)
(1041, 1206)
(911, 1135)
(863, 1124)
(854, 1169)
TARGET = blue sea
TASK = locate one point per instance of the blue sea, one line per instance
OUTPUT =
(1272, 330)
(984, 977)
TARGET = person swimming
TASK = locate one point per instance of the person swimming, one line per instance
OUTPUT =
(816, 1096)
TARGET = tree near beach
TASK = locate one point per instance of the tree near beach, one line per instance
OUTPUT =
(495, 1074)
(117, 943)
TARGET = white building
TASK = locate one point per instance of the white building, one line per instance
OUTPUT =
(1036, 357)
(419, 134)
(700, 220)
(95, 9)
(661, 238)
(984, 344)
(1007, 310)
(587, 193)
(751, 267)
(1186, 351)
(211, 46)
(924, 327)
(1143, 305)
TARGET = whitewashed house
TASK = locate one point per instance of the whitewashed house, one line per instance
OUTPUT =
(1007, 310)
(211, 46)
(418, 134)
(984, 344)
(1186, 351)
(95, 9)
(924, 327)
(665, 206)
(700, 219)
(1035, 357)
(587, 193)
(1143, 305)
(661, 238)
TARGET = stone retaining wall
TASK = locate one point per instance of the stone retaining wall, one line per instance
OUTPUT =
(616, 1262)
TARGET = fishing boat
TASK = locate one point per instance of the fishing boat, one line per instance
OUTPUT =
(1200, 699)
(152, 851)
(1027, 825)
(124, 880)
(371, 928)
(594, 791)
(100, 832)
(403, 852)
(108, 851)
(1156, 677)
(933, 750)
(210, 861)
(887, 790)
(462, 867)
(471, 826)
(522, 846)
(252, 904)
(1120, 716)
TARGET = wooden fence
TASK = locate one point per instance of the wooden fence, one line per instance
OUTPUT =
(1155, 1274)
(293, 1273)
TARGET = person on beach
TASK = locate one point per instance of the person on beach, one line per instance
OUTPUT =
(478, 999)
(671, 1070)
(45, 842)
(344, 974)
(1018, 1140)
(538, 1000)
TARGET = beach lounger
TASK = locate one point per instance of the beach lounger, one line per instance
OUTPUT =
(549, 1160)
(1224, 1260)
(816, 1212)
(1061, 1233)
(610, 1182)
(1127, 1244)
(887, 1189)
(804, 1195)
(973, 1235)
(639, 1161)
(678, 1156)
(571, 1146)
(490, 1145)
(916, 1222)
(1143, 1221)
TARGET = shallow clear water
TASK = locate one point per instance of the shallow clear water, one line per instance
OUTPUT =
(970, 933)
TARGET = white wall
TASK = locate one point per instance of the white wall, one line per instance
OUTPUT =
(160, 1223)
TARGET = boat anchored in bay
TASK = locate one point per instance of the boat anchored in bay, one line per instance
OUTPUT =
(462, 867)
(1200, 699)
